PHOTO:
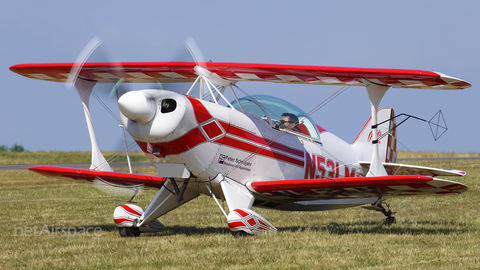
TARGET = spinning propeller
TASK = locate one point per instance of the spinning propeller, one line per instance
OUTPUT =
(84, 87)
(84, 84)
(117, 189)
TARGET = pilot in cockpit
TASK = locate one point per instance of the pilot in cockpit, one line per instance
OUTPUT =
(290, 122)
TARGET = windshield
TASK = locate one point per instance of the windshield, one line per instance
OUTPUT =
(278, 113)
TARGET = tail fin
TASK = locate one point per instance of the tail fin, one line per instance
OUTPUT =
(387, 143)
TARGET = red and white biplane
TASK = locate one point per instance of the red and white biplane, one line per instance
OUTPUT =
(257, 150)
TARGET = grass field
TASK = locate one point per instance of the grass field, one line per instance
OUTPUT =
(64, 157)
(439, 232)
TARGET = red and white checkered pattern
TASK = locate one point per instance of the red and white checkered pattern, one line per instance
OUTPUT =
(363, 187)
(391, 156)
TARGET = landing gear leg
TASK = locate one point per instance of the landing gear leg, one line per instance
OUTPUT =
(378, 206)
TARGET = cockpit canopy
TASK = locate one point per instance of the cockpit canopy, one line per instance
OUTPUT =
(271, 108)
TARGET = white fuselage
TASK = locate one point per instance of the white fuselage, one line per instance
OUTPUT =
(210, 139)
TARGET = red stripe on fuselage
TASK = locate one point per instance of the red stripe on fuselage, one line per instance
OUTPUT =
(188, 141)
(259, 150)
(201, 113)
(252, 137)
(195, 137)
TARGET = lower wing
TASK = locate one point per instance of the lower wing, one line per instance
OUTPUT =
(90, 176)
(353, 187)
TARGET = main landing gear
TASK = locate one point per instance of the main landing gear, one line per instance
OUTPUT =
(378, 206)
(129, 231)
(240, 234)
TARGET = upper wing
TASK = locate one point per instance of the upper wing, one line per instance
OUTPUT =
(90, 175)
(139, 72)
(354, 187)
(404, 169)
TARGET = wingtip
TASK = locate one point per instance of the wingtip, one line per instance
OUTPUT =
(455, 83)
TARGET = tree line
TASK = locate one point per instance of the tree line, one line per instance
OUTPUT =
(13, 148)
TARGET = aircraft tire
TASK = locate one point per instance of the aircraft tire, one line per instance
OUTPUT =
(240, 234)
(129, 231)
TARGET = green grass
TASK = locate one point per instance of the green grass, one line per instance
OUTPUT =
(436, 232)
(426, 154)
(62, 157)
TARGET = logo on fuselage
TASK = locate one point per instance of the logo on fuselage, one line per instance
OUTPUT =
(234, 162)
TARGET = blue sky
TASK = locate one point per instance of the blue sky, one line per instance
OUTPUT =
(437, 36)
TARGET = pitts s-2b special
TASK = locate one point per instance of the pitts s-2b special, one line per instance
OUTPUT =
(255, 151)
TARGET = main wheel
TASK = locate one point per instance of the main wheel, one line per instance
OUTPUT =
(129, 231)
(239, 234)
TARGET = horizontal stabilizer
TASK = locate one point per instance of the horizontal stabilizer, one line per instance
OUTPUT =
(167, 72)
(404, 169)
(91, 175)
(354, 187)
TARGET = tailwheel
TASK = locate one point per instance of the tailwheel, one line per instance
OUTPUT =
(129, 231)
(390, 220)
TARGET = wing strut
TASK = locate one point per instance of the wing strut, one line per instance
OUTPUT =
(375, 95)
(84, 89)
(210, 79)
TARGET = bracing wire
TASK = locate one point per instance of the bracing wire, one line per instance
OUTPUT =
(106, 107)
(118, 154)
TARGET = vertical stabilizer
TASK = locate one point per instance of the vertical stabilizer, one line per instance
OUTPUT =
(387, 142)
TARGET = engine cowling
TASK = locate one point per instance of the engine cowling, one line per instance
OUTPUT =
(152, 115)
(138, 106)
